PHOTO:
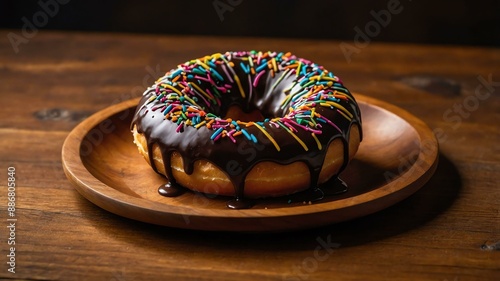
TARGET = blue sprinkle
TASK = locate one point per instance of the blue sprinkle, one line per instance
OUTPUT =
(214, 135)
(262, 66)
(254, 139)
(167, 110)
(216, 74)
(247, 70)
(333, 99)
(237, 127)
(190, 76)
(197, 71)
(303, 70)
(177, 72)
(246, 134)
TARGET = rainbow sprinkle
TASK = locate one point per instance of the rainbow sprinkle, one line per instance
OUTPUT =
(187, 94)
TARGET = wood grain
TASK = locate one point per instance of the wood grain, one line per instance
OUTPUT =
(446, 231)
(393, 162)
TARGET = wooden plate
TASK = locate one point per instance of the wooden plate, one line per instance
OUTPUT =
(398, 155)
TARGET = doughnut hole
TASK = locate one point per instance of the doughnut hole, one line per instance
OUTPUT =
(234, 112)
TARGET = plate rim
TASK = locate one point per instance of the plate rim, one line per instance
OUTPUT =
(102, 195)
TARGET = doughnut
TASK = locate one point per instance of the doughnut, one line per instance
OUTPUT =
(247, 124)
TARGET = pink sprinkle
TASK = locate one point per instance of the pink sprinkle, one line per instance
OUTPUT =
(274, 124)
(331, 123)
(290, 126)
(217, 137)
(217, 100)
(256, 80)
(227, 73)
(222, 89)
(179, 127)
(202, 78)
(317, 132)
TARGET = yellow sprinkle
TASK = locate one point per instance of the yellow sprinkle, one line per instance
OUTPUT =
(298, 69)
(285, 100)
(202, 64)
(172, 88)
(199, 89)
(342, 94)
(239, 85)
(250, 61)
(191, 101)
(321, 77)
(346, 117)
(339, 107)
(268, 136)
(317, 141)
(295, 137)
(200, 124)
(275, 67)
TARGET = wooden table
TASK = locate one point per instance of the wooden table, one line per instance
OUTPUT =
(448, 230)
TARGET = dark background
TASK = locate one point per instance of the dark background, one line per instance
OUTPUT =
(430, 22)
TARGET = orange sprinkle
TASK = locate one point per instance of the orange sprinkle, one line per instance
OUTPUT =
(291, 66)
(340, 97)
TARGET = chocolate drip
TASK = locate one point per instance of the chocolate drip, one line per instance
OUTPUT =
(170, 190)
(237, 159)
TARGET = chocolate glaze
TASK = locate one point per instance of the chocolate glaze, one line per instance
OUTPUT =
(237, 159)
